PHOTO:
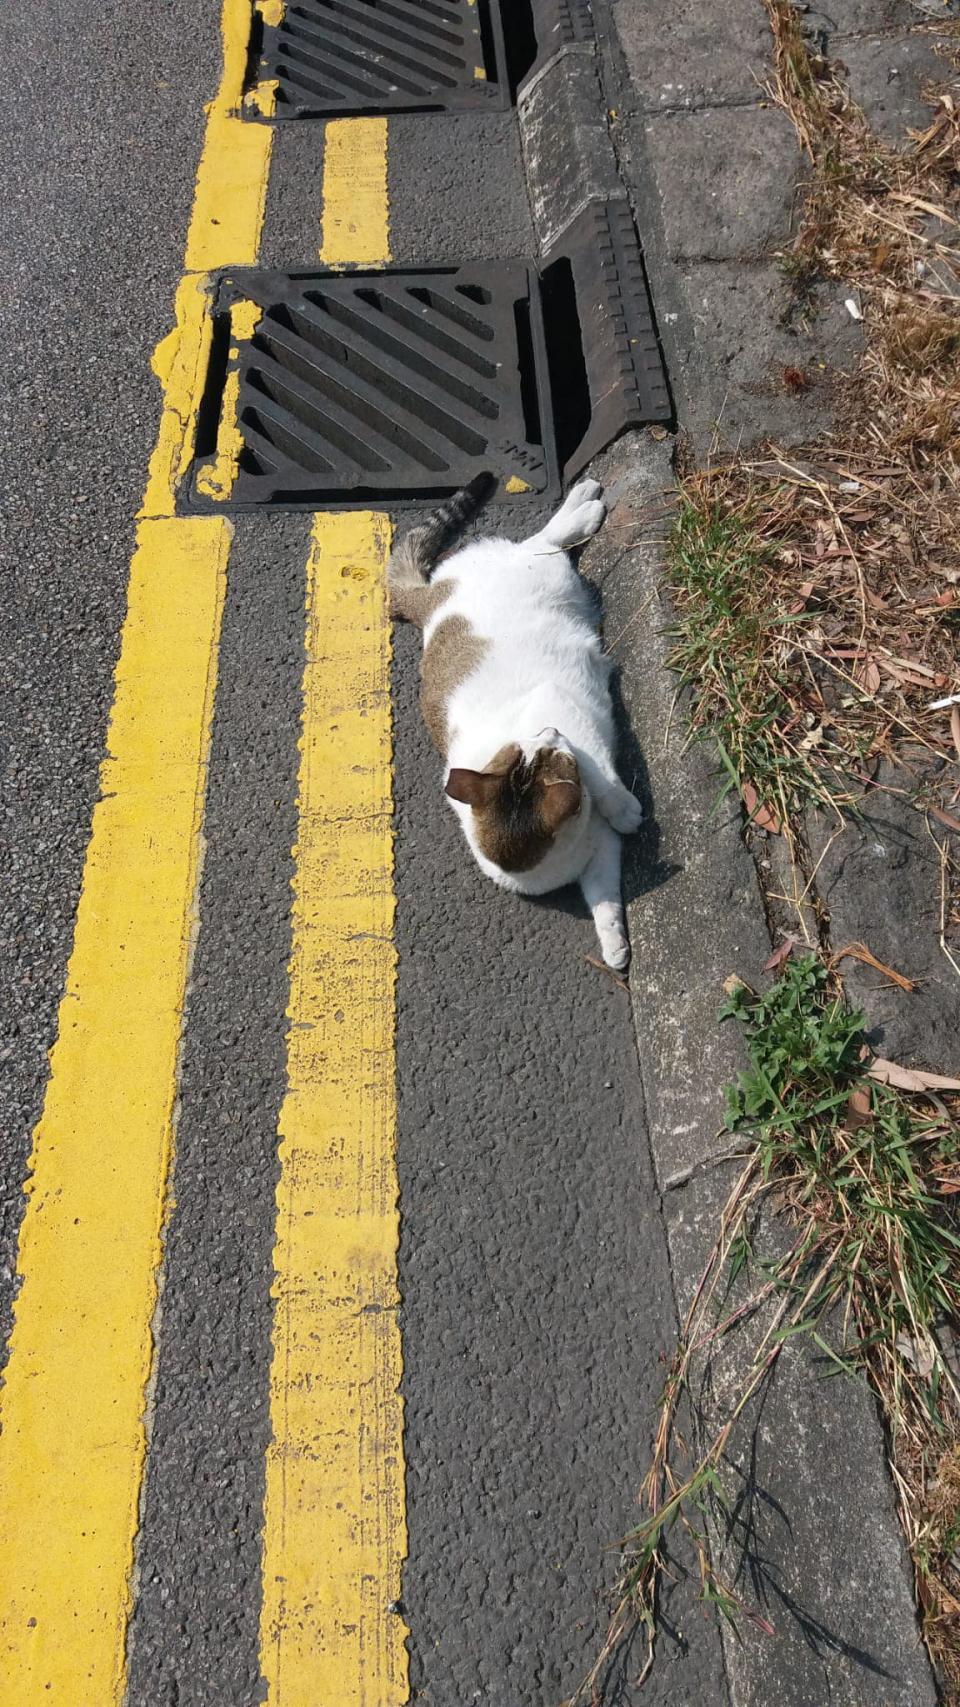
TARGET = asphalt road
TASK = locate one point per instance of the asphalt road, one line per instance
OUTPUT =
(536, 1298)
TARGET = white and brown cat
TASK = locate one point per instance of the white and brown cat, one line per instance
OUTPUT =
(515, 691)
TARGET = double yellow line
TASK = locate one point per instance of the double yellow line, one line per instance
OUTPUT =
(73, 1409)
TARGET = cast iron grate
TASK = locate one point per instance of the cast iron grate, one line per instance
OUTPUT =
(371, 387)
(352, 56)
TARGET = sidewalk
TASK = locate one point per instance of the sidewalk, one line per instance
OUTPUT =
(714, 172)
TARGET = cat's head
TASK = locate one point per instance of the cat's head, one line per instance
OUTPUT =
(522, 800)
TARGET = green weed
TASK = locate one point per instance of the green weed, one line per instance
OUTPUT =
(733, 639)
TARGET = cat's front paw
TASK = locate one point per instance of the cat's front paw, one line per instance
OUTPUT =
(581, 521)
(624, 811)
(583, 492)
(615, 948)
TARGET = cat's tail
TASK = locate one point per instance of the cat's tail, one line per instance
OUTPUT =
(418, 551)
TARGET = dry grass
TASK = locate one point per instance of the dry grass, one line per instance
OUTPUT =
(846, 621)
(818, 616)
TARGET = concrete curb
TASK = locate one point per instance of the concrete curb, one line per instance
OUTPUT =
(583, 221)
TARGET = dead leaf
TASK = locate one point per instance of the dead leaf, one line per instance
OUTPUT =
(781, 953)
(811, 739)
(908, 1078)
(947, 818)
(763, 816)
(869, 676)
(880, 255)
(905, 676)
(920, 1355)
(955, 726)
(915, 664)
(859, 1110)
(860, 951)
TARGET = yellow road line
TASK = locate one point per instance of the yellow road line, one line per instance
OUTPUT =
(73, 1441)
(335, 1527)
(180, 363)
(225, 227)
(355, 221)
(73, 1403)
(335, 1517)
(232, 176)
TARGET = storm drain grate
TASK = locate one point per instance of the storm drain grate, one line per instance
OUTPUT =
(373, 387)
(352, 56)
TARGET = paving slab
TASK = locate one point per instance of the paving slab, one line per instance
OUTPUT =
(887, 76)
(880, 879)
(725, 178)
(677, 57)
(816, 1542)
(750, 368)
(859, 17)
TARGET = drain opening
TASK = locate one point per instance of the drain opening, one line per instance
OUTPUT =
(569, 384)
(608, 370)
(209, 410)
(520, 43)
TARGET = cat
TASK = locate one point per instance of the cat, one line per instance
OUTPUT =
(515, 692)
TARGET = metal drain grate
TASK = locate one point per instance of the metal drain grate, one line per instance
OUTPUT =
(353, 56)
(373, 387)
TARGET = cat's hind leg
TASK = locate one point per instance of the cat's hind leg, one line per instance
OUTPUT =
(578, 518)
(600, 883)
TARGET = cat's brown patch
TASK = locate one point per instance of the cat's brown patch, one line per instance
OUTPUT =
(452, 653)
(417, 601)
(519, 807)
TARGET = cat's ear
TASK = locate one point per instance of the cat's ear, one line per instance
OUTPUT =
(558, 802)
(473, 788)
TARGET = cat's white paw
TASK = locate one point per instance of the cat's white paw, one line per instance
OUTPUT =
(583, 492)
(615, 948)
(624, 811)
(583, 521)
